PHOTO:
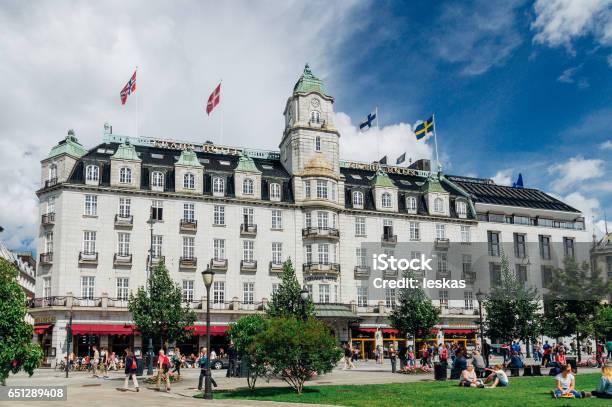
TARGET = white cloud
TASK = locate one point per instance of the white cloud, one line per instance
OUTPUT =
(503, 177)
(569, 76)
(606, 145)
(560, 22)
(576, 170)
(590, 207)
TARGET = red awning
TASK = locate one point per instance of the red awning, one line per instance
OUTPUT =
(384, 330)
(458, 331)
(42, 328)
(200, 330)
(102, 329)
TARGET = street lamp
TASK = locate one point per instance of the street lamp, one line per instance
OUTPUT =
(207, 277)
(304, 294)
(150, 222)
(479, 297)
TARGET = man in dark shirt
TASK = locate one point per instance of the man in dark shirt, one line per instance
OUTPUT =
(232, 355)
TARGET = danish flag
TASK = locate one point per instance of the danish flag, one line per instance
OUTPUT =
(128, 88)
(213, 99)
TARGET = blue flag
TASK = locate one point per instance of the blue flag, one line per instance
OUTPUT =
(400, 159)
(424, 128)
(519, 181)
(368, 122)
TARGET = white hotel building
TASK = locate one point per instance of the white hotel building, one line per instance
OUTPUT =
(242, 212)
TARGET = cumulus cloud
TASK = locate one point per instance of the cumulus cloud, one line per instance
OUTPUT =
(576, 170)
(503, 177)
(590, 207)
(560, 22)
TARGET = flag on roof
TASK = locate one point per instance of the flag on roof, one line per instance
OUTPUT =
(213, 99)
(519, 181)
(400, 159)
(367, 123)
(129, 88)
(424, 128)
(383, 160)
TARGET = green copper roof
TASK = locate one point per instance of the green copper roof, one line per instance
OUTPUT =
(70, 145)
(126, 151)
(309, 83)
(246, 164)
(189, 157)
(433, 185)
(381, 179)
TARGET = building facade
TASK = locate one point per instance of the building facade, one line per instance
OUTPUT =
(243, 212)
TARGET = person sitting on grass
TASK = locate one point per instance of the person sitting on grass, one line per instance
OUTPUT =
(566, 384)
(468, 378)
(498, 377)
(604, 389)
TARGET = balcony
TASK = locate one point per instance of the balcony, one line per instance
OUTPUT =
(46, 259)
(469, 277)
(440, 274)
(218, 264)
(388, 239)
(248, 230)
(276, 267)
(314, 268)
(445, 310)
(362, 271)
(122, 260)
(388, 273)
(50, 182)
(189, 225)
(441, 243)
(156, 260)
(321, 232)
(88, 258)
(124, 221)
(250, 266)
(48, 219)
(188, 262)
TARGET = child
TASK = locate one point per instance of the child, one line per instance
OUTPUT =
(566, 384)
(498, 376)
(604, 389)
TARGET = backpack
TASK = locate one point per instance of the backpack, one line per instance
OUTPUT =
(165, 362)
(134, 366)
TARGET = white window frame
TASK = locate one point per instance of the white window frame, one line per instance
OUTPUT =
(91, 205)
(157, 245)
(323, 253)
(248, 250)
(157, 179)
(92, 173)
(219, 215)
(125, 206)
(275, 191)
(360, 255)
(360, 226)
(219, 249)
(308, 253)
(358, 199)
(468, 300)
(88, 287)
(123, 244)
(122, 288)
(189, 180)
(324, 294)
(89, 242)
(189, 212)
(218, 292)
(218, 186)
(322, 219)
(188, 291)
(362, 296)
(307, 189)
(248, 186)
(438, 205)
(277, 219)
(46, 291)
(51, 205)
(411, 204)
(248, 292)
(440, 231)
(386, 200)
(157, 210)
(49, 242)
(317, 138)
(415, 231)
(461, 208)
(125, 175)
(466, 234)
(277, 253)
(188, 247)
(322, 189)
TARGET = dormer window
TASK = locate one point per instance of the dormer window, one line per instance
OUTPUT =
(189, 181)
(386, 200)
(92, 173)
(411, 204)
(157, 179)
(52, 171)
(317, 143)
(315, 116)
(275, 192)
(439, 205)
(218, 186)
(358, 199)
(461, 208)
(125, 175)
(247, 186)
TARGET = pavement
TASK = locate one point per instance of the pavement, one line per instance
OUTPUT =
(87, 391)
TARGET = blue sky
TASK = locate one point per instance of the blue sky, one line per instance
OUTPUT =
(516, 85)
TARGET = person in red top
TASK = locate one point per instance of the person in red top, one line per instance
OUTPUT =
(546, 356)
(444, 355)
(163, 366)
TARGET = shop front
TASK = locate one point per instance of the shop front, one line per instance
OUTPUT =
(115, 337)
(366, 340)
(43, 332)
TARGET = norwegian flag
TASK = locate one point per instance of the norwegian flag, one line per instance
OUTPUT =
(128, 88)
(213, 99)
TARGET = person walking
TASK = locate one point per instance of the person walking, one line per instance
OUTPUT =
(95, 360)
(176, 361)
(392, 358)
(348, 364)
(130, 370)
(104, 361)
(163, 369)
(232, 355)
(202, 363)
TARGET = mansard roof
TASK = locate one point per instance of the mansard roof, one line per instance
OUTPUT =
(70, 145)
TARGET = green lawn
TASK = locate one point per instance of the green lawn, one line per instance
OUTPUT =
(528, 391)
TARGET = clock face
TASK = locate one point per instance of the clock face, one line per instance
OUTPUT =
(315, 102)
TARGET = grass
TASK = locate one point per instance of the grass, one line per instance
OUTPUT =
(523, 391)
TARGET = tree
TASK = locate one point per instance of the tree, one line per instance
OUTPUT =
(286, 301)
(415, 314)
(243, 333)
(17, 352)
(573, 301)
(296, 349)
(158, 311)
(512, 309)
(603, 322)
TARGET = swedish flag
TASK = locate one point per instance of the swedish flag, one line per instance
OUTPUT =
(424, 128)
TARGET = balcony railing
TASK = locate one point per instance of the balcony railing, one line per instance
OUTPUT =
(50, 182)
(46, 258)
(362, 271)
(390, 273)
(443, 274)
(218, 264)
(248, 265)
(48, 219)
(388, 239)
(189, 225)
(188, 262)
(248, 230)
(321, 232)
(122, 260)
(445, 310)
(469, 277)
(124, 221)
(441, 243)
(321, 268)
(276, 267)
(90, 258)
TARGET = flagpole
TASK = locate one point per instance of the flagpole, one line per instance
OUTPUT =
(433, 118)
(378, 134)
(137, 102)
(222, 109)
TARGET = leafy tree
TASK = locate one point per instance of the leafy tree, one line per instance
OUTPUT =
(158, 311)
(603, 322)
(243, 333)
(573, 301)
(17, 351)
(512, 310)
(286, 302)
(296, 349)
(415, 314)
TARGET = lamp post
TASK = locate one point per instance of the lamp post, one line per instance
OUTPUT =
(207, 277)
(150, 222)
(68, 341)
(480, 296)
(304, 294)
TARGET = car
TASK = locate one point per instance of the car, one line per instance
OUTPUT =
(219, 363)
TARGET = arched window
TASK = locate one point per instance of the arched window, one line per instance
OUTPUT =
(411, 204)
(315, 116)
(157, 179)
(386, 200)
(92, 173)
(461, 208)
(52, 171)
(357, 198)
(275, 191)
(189, 181)
(438, 205)
(317, 143)
(247, 186)
(125, 175)
(218, 186)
